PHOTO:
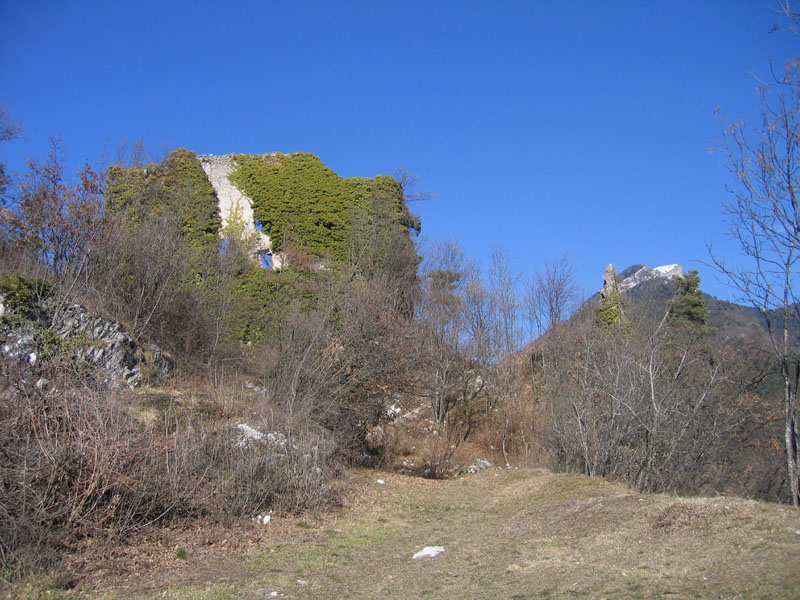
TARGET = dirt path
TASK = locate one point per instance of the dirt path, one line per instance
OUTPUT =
(507, 534)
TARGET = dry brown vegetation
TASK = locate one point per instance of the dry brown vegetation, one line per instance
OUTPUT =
(80, 462)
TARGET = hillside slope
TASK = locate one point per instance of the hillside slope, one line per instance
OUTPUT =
(524, 533)
(650, 290)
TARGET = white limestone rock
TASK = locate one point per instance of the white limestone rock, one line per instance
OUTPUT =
(235, 208)
(480, 464)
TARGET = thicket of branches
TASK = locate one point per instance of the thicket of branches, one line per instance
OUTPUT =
(651, 404)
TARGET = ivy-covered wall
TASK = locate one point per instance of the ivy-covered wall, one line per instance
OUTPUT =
(178, 184)
(303, 204)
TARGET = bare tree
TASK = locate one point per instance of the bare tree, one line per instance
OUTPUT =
(764, 218)
(550, 295)
(409, 183)
(9, 130)
(53, 225)
(791, 10)
(506, 338)
(445, 275)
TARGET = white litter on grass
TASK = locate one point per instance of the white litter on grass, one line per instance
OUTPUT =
(380, 482)
(797, 532)
(428, 551)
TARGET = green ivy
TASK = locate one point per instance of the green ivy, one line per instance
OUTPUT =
(262, 297)
(178, 184)
(299, 202)
(302, 203)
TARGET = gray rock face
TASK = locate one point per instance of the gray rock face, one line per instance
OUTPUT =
(21, 347)
(120, 360)
(479, 465)
(109, 347)
(609, 281)
(247, 437)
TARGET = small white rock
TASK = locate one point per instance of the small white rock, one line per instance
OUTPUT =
(262, 519)
(428, 551)
(380, 482)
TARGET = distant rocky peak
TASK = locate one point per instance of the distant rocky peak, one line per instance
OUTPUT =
(633, 276)
(666, 272)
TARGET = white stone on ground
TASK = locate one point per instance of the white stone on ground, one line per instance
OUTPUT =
(428, 551)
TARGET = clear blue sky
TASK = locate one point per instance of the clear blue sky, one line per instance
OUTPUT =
(540, 126)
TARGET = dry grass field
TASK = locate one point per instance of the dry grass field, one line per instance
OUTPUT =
(507, 533)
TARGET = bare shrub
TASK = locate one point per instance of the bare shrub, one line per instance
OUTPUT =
(287, 472)
(652, 407)
(74, 463)
(438, 451)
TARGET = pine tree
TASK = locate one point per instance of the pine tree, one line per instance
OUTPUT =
(688, 308)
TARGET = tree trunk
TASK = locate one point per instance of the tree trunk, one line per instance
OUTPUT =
(790, 434)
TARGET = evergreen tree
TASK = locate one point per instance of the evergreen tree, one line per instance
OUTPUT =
(688, 308)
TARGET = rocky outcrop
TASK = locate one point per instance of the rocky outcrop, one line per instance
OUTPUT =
(235, 208)
(480, 464)
(110, 348)
(247, 437)
(70, 331)
(610, 282)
